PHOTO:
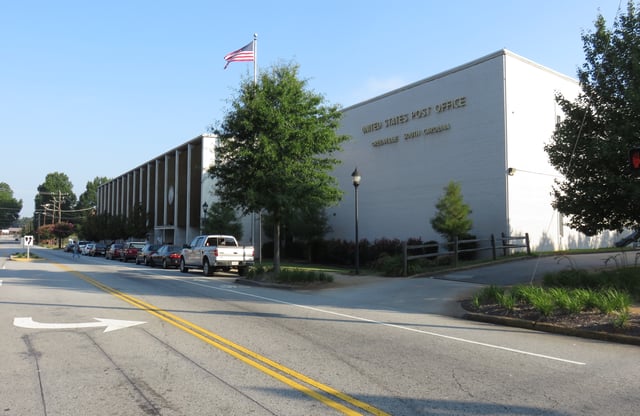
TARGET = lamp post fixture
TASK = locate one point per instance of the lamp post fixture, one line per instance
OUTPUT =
(205, 209)
(355, 176)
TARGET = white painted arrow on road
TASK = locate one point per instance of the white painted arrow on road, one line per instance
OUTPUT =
(110, 324)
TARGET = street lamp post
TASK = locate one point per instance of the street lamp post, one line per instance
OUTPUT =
(355, 176)
(205, 209)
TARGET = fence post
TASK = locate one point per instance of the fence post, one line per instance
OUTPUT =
(455, 251)
(404, 259)
(493, 246)
(526, 237)
(504, 245)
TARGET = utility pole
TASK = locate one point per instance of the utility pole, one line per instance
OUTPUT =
(55, 200)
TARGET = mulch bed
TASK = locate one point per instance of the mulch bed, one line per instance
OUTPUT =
(588, 320)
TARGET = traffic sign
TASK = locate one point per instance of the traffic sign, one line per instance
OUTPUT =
(28, 240)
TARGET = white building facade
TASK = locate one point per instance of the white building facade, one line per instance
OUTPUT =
(484, 125)
(172, 188)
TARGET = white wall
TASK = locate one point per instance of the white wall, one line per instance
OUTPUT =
(532, 113)
(509, 113)
(402, 181)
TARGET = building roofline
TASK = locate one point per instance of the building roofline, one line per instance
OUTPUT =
(497, 54)
(173, 150)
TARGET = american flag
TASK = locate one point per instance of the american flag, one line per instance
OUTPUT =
(244, 54)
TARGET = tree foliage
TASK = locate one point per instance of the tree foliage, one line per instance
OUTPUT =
(452, 214)
(55, 195)
(136, 225)
(9, 206)
(62, 230)
(222, 219)
(87, 199)
(590, 147)
(276, 147)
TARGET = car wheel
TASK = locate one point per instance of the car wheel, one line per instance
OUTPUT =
(164, 264)
(183, 266)
(207, 270)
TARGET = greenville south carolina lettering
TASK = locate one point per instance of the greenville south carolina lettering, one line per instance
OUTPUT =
(386, 140)
(412, 135)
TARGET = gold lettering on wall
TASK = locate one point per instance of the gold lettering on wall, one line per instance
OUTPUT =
(386, 140)
(371, 127)
(414, 115)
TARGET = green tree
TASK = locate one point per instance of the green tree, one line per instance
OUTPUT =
(590, 147)
(222, 219)
(87, 199)
(9, 206)
(136, 223)
(55, 196)
(275, 149)
(452, 214)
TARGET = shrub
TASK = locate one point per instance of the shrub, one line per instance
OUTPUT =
(302, 276)
(490, 294)
(507, 301)
(394, 265)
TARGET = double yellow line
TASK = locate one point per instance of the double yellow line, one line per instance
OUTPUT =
(281, 373)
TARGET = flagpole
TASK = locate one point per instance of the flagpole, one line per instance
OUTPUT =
(255, 59)
(255, 82)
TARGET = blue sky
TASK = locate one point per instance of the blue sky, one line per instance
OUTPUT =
(96, 88)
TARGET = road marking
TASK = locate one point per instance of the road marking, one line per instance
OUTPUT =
(278, 371)
(109, 324)
(388, 324)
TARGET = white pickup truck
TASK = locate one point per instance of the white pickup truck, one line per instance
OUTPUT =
(216, 252)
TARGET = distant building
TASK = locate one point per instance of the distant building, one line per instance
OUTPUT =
(172, 188)
(482, 124)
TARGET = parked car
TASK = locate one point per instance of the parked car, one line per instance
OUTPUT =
(81, 245)
(86, 249)
(114, 251)
(98, 249)
(130, 250)
(144, 254)
(168, 256)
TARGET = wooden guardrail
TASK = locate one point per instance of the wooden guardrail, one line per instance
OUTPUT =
(505, 243)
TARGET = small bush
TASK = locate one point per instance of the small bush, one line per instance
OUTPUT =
(393, 266)
(302, 276)
(490, 294)
(611, 300)
(621, 320)
(507, 301)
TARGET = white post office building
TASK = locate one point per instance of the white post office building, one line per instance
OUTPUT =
(482, 124)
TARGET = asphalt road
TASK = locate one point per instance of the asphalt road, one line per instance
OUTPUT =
(208, 346)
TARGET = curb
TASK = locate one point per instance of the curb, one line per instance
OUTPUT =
(248, 282)
(14, 258)
(551, 328)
